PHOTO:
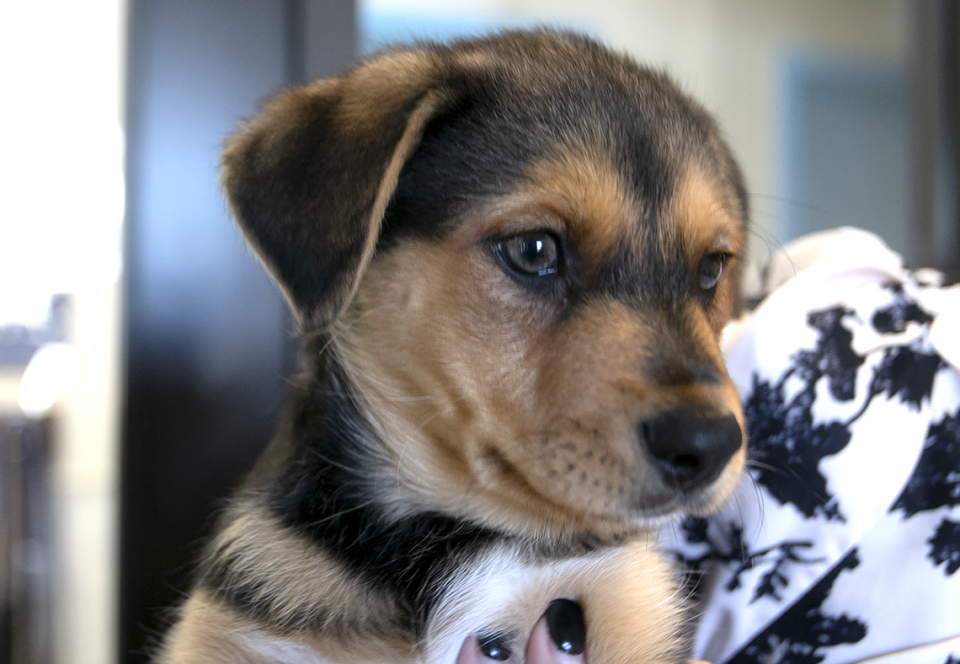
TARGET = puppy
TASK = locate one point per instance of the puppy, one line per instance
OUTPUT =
(511, 259)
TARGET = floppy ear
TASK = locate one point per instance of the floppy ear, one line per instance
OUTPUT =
(310, 178)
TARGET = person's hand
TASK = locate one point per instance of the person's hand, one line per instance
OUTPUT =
(559, 637)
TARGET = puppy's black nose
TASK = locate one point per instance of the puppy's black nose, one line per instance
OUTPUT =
(689, 449)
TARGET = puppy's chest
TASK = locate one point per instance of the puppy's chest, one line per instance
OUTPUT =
(627, 594)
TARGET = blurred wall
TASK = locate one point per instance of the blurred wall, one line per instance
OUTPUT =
(742, 59)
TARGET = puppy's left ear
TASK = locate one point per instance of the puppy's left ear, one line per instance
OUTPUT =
(310, 178)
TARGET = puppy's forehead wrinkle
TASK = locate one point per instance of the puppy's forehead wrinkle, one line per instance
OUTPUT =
(641, 276)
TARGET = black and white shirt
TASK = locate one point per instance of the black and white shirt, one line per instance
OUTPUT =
(842, 541)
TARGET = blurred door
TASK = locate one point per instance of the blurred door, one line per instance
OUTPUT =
(208, 337)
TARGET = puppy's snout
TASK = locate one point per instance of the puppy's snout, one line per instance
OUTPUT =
(689, 449)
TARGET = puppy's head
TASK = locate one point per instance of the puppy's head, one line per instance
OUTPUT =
(523, 250)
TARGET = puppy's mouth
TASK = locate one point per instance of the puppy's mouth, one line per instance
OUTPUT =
(686, 460)
(681, 461)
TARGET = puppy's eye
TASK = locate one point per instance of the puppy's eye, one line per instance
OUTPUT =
(535, 253)
(711, 267)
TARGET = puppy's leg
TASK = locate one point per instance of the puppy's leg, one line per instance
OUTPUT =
(211, 633)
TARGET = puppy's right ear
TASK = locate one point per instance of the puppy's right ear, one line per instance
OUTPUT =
(310, 178)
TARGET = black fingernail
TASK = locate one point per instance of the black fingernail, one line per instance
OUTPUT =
(495, 647)
(565, 620)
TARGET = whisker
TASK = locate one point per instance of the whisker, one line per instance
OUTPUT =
(753, 463)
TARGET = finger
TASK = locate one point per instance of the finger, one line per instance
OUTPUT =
(559, 637)
(484, 650)
(469, 652)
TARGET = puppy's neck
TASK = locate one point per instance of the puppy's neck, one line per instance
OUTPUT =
(308, 544)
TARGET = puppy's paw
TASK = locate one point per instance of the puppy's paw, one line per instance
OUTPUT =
(610, 607)
(559, 637)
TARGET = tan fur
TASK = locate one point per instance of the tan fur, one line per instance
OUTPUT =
(477, 60)
(298, 578)
(208, 633)
(388, 183)
(211, 633)
(708, 222)
(291, 105)
(380, 88)
(588, 195)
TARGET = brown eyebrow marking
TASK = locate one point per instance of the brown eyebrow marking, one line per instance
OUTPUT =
(703, 216)
(583, 186)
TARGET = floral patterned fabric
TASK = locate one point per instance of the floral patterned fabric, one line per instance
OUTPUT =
(842, 541)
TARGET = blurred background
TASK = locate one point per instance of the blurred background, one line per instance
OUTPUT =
(142, 349)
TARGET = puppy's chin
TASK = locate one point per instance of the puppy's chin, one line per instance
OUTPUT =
(702, 501)
(508, 498)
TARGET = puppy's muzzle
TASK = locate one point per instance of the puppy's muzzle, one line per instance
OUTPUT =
(690, 449)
